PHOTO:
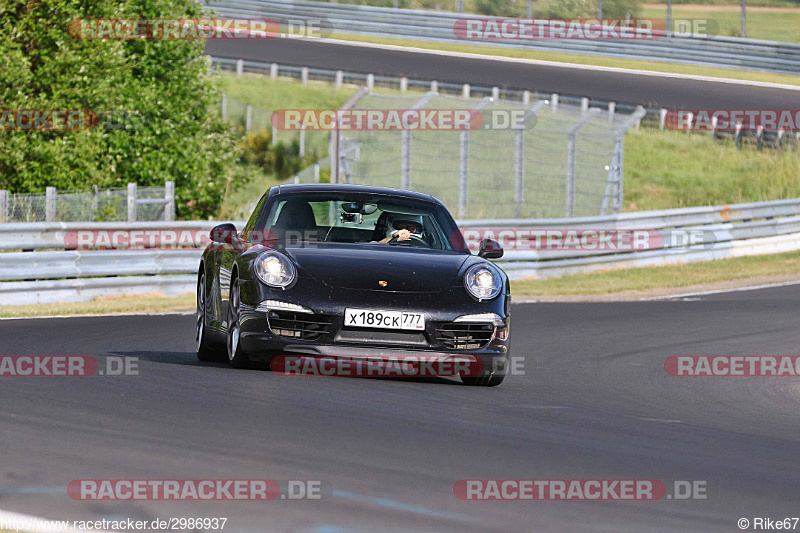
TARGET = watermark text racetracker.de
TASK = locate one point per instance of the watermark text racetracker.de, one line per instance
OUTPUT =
(532, 29)
(733, 365)
(67, 366)
(197, 28)
(578, 490)
(729, 120)
(119, 524)
(197, 489)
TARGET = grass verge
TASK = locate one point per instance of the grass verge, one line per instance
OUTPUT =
(699, 276)
(767, 23)
(602, 61)
(145, 303)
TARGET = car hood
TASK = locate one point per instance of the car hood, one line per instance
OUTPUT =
(363, 266)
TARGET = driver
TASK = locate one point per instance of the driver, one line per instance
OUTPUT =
(403, 227)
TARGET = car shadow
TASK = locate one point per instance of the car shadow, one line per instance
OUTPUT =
(190, 359)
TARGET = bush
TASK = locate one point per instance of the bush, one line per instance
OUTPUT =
(165, 83)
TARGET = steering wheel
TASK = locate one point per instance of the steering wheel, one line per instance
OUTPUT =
(412, 240)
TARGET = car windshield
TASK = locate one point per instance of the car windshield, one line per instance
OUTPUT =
(361, 218)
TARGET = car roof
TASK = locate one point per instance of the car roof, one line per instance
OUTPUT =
(295, 188)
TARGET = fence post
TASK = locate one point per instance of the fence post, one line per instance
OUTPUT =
(302, 149)
(403, 84)
(334, 147)
(304, 75)
(526, 97)
(95, 201)
(3, 206)
(131, 202)
(273, 71)
(584, 104)
(316, 172)
(248, 117)
(339, 79)
(554, 102)
(496, 93)
(463, 164)
(612, 107)
(50, 204)
(569, 208)
(662, 117)
(434, 86)
(519, 170)
(405, 143)
(239, 67)
(465, 90)
(169, 196)
(370, 81)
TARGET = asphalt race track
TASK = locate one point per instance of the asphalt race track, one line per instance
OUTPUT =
(666, 92)
(594, 403)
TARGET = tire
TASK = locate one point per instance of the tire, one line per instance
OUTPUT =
(203, 348)
(236, 356)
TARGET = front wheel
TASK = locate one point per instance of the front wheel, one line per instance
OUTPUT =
(236, 356)
(205, 351)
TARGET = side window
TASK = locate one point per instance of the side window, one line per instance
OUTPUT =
(251, 223)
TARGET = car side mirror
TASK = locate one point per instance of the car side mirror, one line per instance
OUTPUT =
(490, 249)
(224, 234)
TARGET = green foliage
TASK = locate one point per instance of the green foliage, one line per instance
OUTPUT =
(281, 159)
(165, 83)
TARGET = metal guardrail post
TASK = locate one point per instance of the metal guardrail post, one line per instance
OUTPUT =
(3, 206)
(370, 81)
(554, 102)
(239, 67)
(571, 146)
(339, 79)
(50, 204)
(273, 71)
(169, 197)
(304, 76)
(463, 164)
(248, 117)
(405, 142)
(131, 202)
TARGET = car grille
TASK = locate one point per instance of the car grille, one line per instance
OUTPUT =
(464, 336)
(298, 325)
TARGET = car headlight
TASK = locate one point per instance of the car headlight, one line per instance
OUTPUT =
(483, 282)
(274, 269)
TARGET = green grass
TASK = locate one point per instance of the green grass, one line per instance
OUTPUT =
(756, 268)
(144, 303)
(656, 66)
(771, 24)
(668, 169)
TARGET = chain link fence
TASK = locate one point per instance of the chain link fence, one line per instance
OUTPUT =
(559, 161)
(117, 204)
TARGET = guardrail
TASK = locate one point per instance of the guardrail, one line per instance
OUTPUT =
(711, 51)
(56, 274)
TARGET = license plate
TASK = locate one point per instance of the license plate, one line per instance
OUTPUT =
(371, 318)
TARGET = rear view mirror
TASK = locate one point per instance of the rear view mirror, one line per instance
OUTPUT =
(490, 249)
(224, 234)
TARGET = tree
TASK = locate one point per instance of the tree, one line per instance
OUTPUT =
(158, 92)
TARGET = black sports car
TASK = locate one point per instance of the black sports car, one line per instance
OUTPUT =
(348, 271)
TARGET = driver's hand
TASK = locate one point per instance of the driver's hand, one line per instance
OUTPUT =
(402, 235)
